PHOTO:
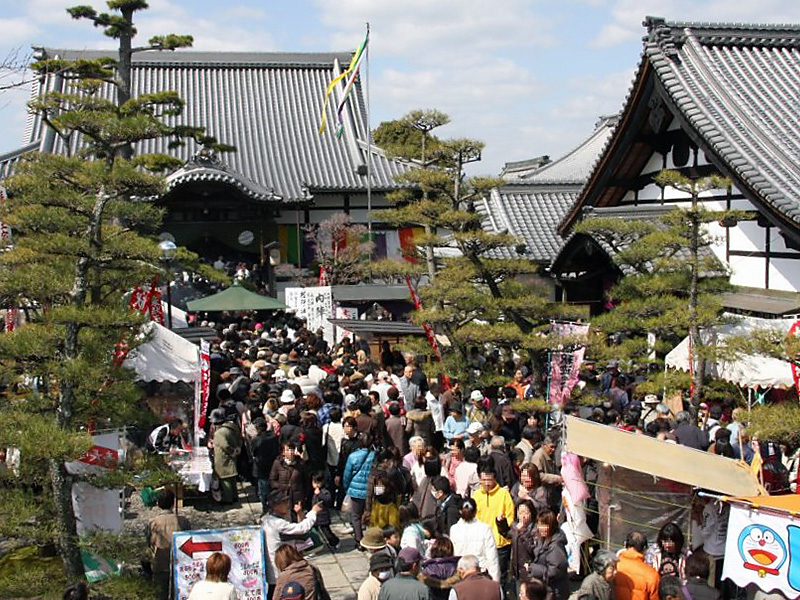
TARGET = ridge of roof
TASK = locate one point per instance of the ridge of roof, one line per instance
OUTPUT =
(730, 33)
(192, 58)
(575, 166)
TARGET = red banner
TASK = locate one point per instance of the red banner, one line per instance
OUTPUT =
(205, 380)
(794, 331)
(5, 229)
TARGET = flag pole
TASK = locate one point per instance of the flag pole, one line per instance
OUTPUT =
(369, 147)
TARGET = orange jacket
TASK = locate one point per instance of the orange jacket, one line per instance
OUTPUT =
(635, 580)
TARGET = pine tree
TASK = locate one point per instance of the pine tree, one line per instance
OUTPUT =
(480, 293)
(83, 237)
(671, 285)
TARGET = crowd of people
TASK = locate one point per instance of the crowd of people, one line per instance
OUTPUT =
(453, 492)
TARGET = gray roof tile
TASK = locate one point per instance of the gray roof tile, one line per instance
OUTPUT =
(267, 105)
(536, 197)
(738, 85)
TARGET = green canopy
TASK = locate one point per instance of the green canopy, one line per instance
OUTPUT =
(234, 298)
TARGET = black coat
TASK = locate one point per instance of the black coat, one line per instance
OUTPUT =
(265, 448)
(448, 513)
(505, 470)
(549, 564)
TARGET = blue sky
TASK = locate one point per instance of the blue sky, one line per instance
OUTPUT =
(528, 77)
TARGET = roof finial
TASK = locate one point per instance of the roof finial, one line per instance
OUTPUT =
(660, 33)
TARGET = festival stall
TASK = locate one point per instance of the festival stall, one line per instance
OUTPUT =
(167, 357)
(763, 543)
(643, 483)
(749, 371)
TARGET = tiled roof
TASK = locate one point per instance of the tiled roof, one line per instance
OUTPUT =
(267, 105)
(573, 167)
(735, 88)
(531, 213)
(537, 196)
(9, 159)
(738, 86)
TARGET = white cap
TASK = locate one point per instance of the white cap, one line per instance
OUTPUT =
(476, 395)
(287, 397)
(279, 375)
(350, 399)
(474, 427)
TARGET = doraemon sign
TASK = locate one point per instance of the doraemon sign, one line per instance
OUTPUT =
(763, 548)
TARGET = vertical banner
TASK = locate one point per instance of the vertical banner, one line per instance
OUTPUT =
(5, 229)
(244, 546)
(763, 548)
(202, 387)
(315, 305)
(565, 366)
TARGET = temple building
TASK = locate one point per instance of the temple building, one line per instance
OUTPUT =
(283, 175)
(706, 99)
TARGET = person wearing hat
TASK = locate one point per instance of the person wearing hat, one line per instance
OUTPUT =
(476, 409)
(405, 585)
(373, 539)
(292, 591)
(476, 439)
(455, 426)
(381, 569)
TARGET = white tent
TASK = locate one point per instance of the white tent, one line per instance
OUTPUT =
(749, 371)
(166, 356)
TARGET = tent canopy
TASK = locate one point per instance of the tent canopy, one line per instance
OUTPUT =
(659, 458)
(235, 298)
(750, 371)
(166, 356)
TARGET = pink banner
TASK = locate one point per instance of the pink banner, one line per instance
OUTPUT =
(202, 388)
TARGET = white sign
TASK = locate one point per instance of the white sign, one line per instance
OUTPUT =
(345, 312)
(315, 305)
(763, 548)
(244, 545)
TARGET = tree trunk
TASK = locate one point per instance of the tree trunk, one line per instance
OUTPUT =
(66, 529)
(124, 89)
(698, 371)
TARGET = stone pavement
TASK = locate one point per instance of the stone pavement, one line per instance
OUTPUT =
(342, 571)
(345, 570)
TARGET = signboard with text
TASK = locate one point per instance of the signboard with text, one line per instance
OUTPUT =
(244, 545)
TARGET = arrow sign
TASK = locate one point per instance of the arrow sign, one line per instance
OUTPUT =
(190, 547)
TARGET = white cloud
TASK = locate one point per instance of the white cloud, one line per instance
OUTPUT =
(424, 31)
(16, 31)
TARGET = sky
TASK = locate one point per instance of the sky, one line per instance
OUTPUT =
(526, 77)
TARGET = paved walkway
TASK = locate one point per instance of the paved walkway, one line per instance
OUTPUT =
(342, 571)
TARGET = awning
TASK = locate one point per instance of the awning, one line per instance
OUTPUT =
(397, 328)
(750, 371)
(166, 356)
(370, 293)
(660, 459)
(233, 299)
(770, 303)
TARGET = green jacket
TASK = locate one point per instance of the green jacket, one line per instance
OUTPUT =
(227, 445)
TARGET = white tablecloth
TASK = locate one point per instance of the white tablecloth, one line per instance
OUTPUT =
(194, 469)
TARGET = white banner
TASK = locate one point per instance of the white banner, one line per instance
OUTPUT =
(763, 548)
(244, 546)
(315, 305)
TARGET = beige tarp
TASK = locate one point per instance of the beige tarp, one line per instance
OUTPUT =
(661, 459)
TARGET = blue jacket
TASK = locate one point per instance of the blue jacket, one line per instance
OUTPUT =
(356, 472)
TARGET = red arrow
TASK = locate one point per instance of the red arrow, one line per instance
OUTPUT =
(190, 547)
